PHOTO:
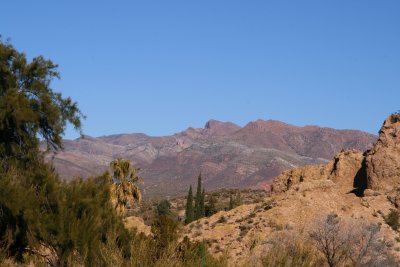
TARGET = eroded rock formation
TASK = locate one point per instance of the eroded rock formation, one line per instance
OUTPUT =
(342, 170)
(382, 162)
(377, 169)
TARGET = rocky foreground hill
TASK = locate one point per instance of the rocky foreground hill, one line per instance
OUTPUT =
(227, 155)
(359, 190)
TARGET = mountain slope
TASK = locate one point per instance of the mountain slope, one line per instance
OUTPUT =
(226, 154)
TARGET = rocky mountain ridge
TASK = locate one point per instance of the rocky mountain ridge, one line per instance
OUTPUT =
(226, 154)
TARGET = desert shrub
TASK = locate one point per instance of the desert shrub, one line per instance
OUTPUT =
(165, 231)
(395, 117)
(293, 253)
(244, 229)
(252, 215)
(350, 243)
(146, 252)
(393, 219)
(222, 219)
(269, 204)
(87, 224)
(275, 225)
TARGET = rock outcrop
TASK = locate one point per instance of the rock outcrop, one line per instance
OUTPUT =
(342, 170)
(383, 161)
(377, 169)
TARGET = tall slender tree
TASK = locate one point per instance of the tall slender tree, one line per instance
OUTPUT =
(189, 207)
(197, 203)
(202, 204)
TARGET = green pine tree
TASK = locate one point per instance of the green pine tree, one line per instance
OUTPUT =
(202, 204)
(197, 203)
(189, 207)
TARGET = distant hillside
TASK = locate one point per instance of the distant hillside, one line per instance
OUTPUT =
(226, 154)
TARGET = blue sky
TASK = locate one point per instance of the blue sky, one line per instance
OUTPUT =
(159, 67)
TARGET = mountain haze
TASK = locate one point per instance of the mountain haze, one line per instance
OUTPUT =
(226, 154)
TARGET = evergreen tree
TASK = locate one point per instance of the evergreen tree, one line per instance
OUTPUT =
(231, 203)
(202, 204)
(189, 207)
(197, 203)
(163, 208)
(30, 111)
(210, 208)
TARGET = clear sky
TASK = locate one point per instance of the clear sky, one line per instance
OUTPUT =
(159, 67)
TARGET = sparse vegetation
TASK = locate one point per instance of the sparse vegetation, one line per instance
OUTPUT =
(292, 253)
(347, 244)
(222, 219)
(393, 219)
(395, 117)
(234, 201)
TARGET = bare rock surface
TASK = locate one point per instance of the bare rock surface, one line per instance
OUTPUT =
(383, 161)
(342, 170)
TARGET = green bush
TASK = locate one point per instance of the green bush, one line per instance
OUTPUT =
(163, 208)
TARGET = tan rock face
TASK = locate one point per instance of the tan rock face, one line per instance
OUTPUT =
(383, 161)
(342, 170)
(345, 167)
(378, 169)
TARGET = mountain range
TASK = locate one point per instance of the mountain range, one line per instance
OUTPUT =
(226, 155)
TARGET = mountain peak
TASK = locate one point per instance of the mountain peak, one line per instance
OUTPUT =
(212, 124)
(263, 125)
(220, 128)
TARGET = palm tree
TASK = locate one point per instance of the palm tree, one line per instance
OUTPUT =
(124, 187)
